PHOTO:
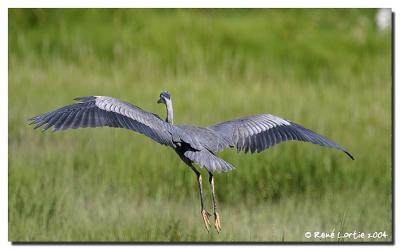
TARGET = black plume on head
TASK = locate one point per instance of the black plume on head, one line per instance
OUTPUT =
(165, 94)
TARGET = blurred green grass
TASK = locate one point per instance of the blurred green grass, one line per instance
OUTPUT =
(329, 70)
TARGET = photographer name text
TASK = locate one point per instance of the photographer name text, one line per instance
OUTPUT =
(354, 235)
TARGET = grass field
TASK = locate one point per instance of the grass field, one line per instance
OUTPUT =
(329, 70)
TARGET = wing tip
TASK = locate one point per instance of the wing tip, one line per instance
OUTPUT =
(350, 155)
(34, 122)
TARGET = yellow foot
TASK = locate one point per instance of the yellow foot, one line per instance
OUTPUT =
(217, 222)
(206, 218)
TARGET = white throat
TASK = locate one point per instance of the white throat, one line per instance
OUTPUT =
(170, 111)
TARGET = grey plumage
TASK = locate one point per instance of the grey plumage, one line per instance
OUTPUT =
(102, 111)
(193, 144)
(259, 132)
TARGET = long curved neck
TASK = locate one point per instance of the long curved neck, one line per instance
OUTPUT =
(170, 112)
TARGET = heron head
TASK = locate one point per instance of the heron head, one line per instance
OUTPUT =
(164, 97)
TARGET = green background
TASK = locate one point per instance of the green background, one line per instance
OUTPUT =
(329, 70)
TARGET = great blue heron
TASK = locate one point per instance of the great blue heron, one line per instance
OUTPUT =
(192, 144)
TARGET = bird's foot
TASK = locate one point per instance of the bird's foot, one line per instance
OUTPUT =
(206, 218)
(217, 222)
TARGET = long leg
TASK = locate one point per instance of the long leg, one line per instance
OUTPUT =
(206, 215)
(217, 220)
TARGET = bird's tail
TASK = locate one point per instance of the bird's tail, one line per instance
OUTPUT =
(208, 160)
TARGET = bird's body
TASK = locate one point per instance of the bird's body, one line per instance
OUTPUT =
(192, 144)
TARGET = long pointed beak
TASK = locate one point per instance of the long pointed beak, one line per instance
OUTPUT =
(159, 101)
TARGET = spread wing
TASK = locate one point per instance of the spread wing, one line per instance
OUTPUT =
(259, 132)
(104, 111)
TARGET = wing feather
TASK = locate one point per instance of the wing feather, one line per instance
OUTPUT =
(104, 111)
(259, 132)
